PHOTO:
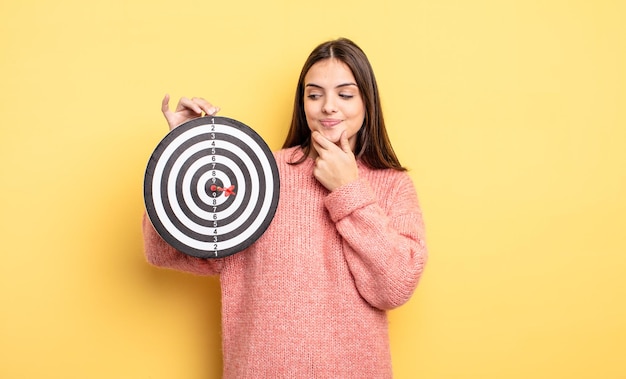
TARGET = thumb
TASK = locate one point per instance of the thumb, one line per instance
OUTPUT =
(165, 104)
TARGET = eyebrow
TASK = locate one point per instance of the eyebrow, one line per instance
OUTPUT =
(339, 86)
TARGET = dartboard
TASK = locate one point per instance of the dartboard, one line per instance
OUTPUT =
(211, 187)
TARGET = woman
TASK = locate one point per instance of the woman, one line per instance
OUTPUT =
(309, 298)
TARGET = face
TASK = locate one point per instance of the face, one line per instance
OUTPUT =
(332, 101)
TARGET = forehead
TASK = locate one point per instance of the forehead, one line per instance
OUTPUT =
(329, 72)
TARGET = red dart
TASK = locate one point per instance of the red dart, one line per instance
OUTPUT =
(227, 191)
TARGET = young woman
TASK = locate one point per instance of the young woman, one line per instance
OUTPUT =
(309, 298)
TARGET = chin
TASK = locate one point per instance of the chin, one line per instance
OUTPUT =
(332, 135)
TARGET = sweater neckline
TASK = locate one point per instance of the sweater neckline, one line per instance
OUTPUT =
(296, 152)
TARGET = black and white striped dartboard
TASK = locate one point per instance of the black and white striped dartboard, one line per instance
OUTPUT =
(211, 187)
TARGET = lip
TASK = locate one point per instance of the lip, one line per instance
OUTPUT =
(329, 122)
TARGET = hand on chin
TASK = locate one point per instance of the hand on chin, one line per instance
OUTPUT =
(333, 135)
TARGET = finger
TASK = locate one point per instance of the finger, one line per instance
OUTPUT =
(320, 140)
(213, 111)
(165, 104)
(207, 107)
(185, 103)
(316, 146)
(345, 144)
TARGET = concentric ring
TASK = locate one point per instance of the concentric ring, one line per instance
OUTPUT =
(211, 187)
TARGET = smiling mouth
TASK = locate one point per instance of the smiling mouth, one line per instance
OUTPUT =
(329, 123)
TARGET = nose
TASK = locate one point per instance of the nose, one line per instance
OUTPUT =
(329, 105)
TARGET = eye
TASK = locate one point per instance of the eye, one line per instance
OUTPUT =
(314, 96)
(346, 95)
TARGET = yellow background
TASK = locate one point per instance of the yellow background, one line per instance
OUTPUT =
(510, 115)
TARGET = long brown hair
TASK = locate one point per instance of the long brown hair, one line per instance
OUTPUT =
(373, 146)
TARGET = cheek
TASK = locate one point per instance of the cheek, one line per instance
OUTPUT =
(309, 105)
(358, 115)
(308, 112)
(357, 109)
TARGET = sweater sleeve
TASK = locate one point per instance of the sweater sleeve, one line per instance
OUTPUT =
(161, 254)
(385, 248)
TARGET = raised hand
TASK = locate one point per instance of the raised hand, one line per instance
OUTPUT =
(335, 165)
(187, 109)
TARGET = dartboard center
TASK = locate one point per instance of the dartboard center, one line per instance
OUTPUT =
(211, 187)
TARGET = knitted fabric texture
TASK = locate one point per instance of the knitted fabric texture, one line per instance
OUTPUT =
(309, 298)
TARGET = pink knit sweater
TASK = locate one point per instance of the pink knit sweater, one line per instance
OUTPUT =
(309, 298)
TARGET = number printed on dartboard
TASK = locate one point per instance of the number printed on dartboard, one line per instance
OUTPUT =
(211, 187)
